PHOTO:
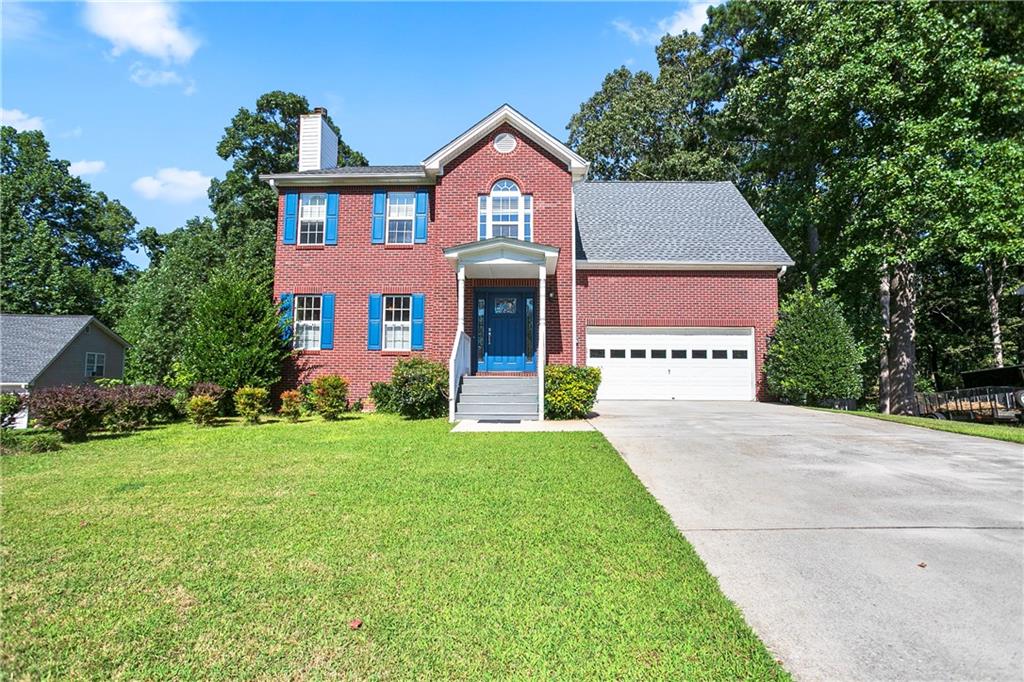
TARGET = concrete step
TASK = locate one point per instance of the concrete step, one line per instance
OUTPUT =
(504, 399)
(497, 408)
(489, 386)
(496, 417)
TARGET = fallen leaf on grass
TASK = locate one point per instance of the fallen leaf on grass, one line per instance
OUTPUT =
(355, 624)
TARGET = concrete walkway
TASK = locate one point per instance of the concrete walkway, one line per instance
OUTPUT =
(857, 549)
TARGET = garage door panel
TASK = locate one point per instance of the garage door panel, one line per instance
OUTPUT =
(661, 363)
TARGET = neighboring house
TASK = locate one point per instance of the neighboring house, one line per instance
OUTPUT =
(495, 256)
(54, 350)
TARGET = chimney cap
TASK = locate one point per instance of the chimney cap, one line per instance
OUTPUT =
(320, 110)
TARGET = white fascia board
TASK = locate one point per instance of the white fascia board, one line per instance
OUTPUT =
(331, 180)
(673, 265)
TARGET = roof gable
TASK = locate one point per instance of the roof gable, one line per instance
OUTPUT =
(30, 343)
(577, 165)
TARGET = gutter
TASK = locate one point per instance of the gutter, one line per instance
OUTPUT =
(677, 265)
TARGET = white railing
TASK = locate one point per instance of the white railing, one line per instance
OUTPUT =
(458, 367)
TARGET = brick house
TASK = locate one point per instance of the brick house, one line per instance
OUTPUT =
(495, 256)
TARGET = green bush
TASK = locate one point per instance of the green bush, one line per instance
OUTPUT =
(812, 355)
(201, 410)
(419, 388)
(570, 391)
(383, 397)
(250, 403)
(330, 396)
(29, 441)
(291, 405)
(10, 406)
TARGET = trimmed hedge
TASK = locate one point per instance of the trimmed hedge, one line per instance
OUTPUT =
(201, 410)
(420, 388)
(71, 411)
(291, 405)
(329, 394)
(251, 403)
(570, 391)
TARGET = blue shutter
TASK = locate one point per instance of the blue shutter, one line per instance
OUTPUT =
(373, 331)
(380, 200)
(291, 217)
(422, 208)
(327, 322)
(286, 316)
(417, 321)
(331, 228)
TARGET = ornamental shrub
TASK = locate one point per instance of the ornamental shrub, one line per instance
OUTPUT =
(129, 408)
(30, 441)
(201, 410)
(812, 355)
(330, 396)
(10, 406)
(71, 411)
(419, 388)
(383, 397)
(214, 391)
(570, 391)
(291, 406)
(250, 403)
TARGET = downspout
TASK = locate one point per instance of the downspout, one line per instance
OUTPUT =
(572, 223)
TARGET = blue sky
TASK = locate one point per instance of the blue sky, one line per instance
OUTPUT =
(136, 96)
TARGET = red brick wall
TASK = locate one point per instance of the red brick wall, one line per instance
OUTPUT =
(625, 298)
(354, 268)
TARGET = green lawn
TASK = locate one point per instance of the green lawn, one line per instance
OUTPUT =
(1011, 434)
(244, 552)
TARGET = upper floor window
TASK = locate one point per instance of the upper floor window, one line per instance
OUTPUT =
(506, 212)
(307, 322)
(95, 364)
(312, 218)
(401, 211)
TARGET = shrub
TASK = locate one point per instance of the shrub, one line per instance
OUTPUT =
(10, 441)
(201, 410)
(28, 441)
(72, 411)
(383, 397)
(291, 405)
(129, 408)
(250, 403)
(10, 406)
(330, 396)
(306, 397)
(420, 388)
(570, 391)
(215, 392)
(812, 355)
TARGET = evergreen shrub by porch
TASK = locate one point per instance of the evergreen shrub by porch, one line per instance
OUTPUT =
(812, 355)
(10, 406)
(329, 394)
(570, 391)
(383, 397)
(251, 403)
(201, 410)
(419, 388)
(71, 411)
(291, 405)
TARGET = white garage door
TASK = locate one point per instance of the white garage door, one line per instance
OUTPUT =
(662, 363)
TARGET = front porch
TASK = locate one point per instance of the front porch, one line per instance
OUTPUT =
(503, 337)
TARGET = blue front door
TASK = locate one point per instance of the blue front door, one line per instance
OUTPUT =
(508, 328)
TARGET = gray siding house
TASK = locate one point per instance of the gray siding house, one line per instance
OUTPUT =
(37, 351)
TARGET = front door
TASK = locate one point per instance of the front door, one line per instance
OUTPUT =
(508, 331)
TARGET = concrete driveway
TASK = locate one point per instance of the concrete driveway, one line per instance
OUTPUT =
(857, 549)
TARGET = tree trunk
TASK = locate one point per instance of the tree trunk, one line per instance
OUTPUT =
(883, 356)
(994, 290)
(813, 246)
(902, 352)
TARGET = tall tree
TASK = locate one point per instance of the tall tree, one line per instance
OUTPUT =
(62, 244)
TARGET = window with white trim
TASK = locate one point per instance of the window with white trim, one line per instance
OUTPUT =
(401, 211)
(312, 218)
(397, 322)
(506, 212)
(307, 322)
(95, 364)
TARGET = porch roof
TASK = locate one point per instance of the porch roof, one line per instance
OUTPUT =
(503, 257)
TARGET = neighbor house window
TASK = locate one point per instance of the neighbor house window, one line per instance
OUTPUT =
(506, 212)
(312, 217)
(307, 322)
(401, 211)
(95, 364)
(397, 322)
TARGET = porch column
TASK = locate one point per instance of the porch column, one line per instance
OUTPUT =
(462, 298)
(542, 337)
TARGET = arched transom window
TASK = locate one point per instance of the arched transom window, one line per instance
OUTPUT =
(506, 212)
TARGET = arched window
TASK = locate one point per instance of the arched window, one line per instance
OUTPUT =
(506, 212)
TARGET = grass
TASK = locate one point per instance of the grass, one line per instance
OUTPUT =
(245, 552)
(1010, 434)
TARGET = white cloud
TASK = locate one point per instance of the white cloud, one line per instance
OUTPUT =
(150, 28)
(173, 184)
(149, 78)
(20, 22)
(83, 167)
(690, 17)
(19, 120)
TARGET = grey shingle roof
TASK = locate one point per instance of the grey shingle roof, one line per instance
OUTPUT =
(367, 170)
(29, 342)
(690, 222)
